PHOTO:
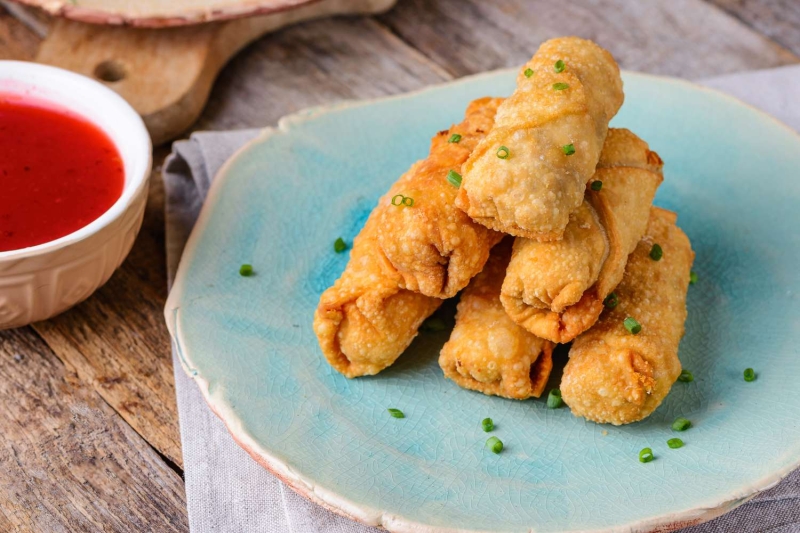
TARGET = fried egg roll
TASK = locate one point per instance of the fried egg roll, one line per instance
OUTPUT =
(617, 377)
(487, 351)
(529, 174)
(556, 289)
(366, 320)
(435, 246)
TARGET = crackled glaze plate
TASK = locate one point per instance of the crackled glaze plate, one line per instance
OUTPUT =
(731, 173)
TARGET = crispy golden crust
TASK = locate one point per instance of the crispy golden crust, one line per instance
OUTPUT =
(365, 321)
(613, 376)
(556, 289)
(487, 352)
(435, 246)
(532, 193)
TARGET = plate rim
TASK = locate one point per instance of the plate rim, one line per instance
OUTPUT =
(339, 504)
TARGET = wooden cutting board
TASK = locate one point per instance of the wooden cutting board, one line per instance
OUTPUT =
(166, 74)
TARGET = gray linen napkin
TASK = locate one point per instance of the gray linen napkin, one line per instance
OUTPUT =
(228, 492)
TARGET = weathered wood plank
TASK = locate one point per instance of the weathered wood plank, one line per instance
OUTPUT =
(117, 342)
(67, 461)
(777, 19)
(17, 41)
(313, 64)
(686, 38)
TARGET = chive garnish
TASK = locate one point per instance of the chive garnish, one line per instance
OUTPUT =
(396, 413)
(596, 185)
(611, 301)
(681, 424)
(434, 324)
(487, 424)
(692, 277)
(749, 374)
(656, 252)
(454, 178)
(560, 86)
(675, 443)
(494, 444)
(528, 72)
(632, 325)
(339, 245)
(646, 455)
(503, 152)
(568, 149)
(399, 199)
(559, 66)
(686, 376)
(554, 400)
(454, 138)
(246, 270)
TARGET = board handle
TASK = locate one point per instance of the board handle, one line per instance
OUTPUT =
(167, 74)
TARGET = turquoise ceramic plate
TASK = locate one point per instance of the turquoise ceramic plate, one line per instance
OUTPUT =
(731, 173)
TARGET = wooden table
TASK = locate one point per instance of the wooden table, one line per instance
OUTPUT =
(89, 426)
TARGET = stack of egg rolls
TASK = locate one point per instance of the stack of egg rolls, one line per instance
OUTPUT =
(575, 198)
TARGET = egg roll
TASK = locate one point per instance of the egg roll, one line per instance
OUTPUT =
(366, 320)
(487, 351)
(556, 289)
(529, 174)
(614, 376)
(435, 246)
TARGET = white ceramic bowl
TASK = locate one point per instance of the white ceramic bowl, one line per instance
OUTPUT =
(41, 281)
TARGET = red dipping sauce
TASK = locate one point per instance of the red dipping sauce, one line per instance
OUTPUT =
(58, 173)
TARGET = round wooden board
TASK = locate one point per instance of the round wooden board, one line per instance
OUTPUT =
(160, 14)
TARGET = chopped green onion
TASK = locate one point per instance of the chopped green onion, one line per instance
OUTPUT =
(503, 152)
(656, 253)
(434, 324)
(596, 185)
(246, 270)
(528, 73)
(646, 455)
(749, 374)
(568, 149)
(396, 413)
(675, 443)
(681, 424)
(632, 325)
(494, 444)
(454, 138)
(559, 66)
(554, 400)
(560, 86)
(487, 424)
(611, 301)
(692, 277)
(454, 178)
(399, 199)
(686, 376)
(339, 245)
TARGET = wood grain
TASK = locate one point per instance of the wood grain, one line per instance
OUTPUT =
(777, 19)
(687, 38)
(116, 341)
(68, 463)
(312, 64)
(17, 41)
